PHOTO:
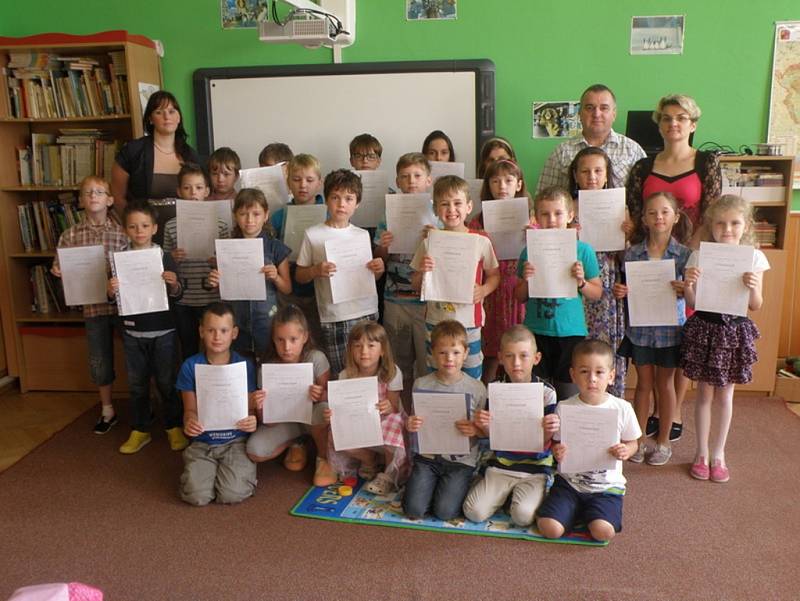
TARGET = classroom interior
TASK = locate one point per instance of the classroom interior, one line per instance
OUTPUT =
(135, 540)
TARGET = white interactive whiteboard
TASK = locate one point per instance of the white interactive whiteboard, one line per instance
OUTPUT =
(318, 109)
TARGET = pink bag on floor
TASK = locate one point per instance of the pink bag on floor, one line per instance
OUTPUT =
(74, 591)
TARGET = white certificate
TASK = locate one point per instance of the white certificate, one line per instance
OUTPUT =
(197, 227)
(351, 280)
(588, 433)
(287, 386)
(355, 420)
(552, 253)
(296, 220)
(141, 285)
(475, 186)
(406, 218)
(371, 209)
(221, 395)
(270, 180)
(455, 257)
(442, 168)
(651, 299)
(505, 222)
(224, 212)
(83, 272)
(440, 411)
(516, 417)
(601, 213)
(720, 288)
(239, 262)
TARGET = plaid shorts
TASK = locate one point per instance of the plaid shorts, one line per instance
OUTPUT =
(334, 339)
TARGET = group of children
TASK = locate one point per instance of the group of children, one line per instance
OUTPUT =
(577, 346)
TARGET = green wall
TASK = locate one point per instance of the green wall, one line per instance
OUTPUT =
(542, 51)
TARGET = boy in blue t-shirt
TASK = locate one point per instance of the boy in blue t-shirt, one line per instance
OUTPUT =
(558, 323)
(525, 477)
(216, 465)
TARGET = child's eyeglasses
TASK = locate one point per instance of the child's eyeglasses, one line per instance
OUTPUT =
(368, 156)
(90, 193)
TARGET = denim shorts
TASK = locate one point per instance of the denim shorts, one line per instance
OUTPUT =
(100, 340)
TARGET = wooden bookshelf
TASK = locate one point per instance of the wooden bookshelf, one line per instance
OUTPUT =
(47, 351)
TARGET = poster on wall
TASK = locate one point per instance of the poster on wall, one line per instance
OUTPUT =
(657, 35)
(784, 102)
(242, 14)
(425, 10)
(556, 119)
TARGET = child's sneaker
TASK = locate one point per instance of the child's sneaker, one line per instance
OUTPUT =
(699, 469)
(638, 456)
(177, 441)
(103, 425)
(660, 455)
(368, 472)
(295, 459)
(135, 442)
(324, 474)
(675, 431)
(651, 428)
(718, 472)
(381, 485)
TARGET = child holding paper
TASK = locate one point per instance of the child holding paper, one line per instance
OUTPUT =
(526, 477)
(97, 228)
(439, 483)
(193, 184)
(149, 341)
(223, 167)
(369, 354)
(452, 204)
(251, 212)
(655, 350)
(342, 195)
(503, 179)
(215, 465)
(558, 323)
(365, 152)
(403, 311)
(605, 318)
(594, 497)
(291, 342)
(718, 350)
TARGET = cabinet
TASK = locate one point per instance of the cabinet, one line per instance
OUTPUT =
(47, 351)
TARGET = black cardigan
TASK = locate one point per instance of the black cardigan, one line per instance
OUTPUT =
(137, 158)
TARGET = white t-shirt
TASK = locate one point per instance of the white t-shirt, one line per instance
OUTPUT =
(312, 252)
(469, 315)
(628, 427)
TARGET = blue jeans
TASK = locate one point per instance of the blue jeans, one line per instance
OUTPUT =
(146, 358)
(187, 322)
(100, 340)
(254, 319)
(438, 485)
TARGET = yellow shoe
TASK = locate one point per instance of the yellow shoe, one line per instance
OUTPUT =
(295, 459)
(177, 441)
(135, 442)
(324, 474)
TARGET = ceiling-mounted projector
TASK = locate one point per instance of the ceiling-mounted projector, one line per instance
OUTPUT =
(329, 23)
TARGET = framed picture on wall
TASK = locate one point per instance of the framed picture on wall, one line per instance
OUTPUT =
(556, 119)
(424, 10)
(242, 14)
(657, 35)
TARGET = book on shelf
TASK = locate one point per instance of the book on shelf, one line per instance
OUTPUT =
(48, 294)
(765, 234)
(42, 222)
(42, 85)
(66, 159)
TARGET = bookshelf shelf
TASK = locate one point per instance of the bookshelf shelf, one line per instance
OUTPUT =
(61, 117)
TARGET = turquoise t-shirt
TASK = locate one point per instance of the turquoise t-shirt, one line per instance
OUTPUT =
(560, 317)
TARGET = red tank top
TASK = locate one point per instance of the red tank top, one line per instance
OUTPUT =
(686, 187)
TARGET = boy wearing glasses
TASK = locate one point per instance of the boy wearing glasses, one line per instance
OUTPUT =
(365, 153)
(101, 319)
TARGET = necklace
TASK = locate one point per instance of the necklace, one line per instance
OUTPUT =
(162, 151)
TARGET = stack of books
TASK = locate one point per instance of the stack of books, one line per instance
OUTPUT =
(41, 222)
(765, 233)
(64, 160)
(42, 85)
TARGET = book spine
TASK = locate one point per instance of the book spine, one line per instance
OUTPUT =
(24, 162)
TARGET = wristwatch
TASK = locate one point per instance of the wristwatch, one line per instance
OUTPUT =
(582, 285)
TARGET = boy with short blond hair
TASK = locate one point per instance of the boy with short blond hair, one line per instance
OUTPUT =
(97, 228)
(223, 170)
(525, 477)
(452, 205)
(342, 196)
(594, 498)
(365, 152)
(439, 483)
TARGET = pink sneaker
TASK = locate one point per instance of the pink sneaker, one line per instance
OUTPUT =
(719, 473)
(700, 469)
